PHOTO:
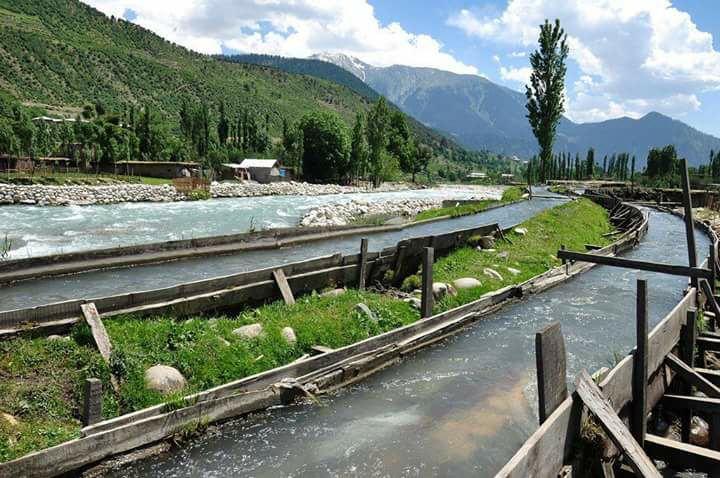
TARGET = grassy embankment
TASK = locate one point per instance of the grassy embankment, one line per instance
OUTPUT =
(509, 195)
(76, 179)
(42, 379)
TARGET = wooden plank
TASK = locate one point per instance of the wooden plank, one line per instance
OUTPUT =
(682, 455)
(635, 264)
(284, 287)
(691, 377)
(640, 365)
(707, 343)
(427, 299)
(614, 427)
(687, 354)
(712, 376)
(550, 359)
(685, 402)
(362, 272)
(102, 340)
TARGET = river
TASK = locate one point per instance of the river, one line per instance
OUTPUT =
(460, 408)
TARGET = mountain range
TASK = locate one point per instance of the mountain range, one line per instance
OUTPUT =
(480, 114)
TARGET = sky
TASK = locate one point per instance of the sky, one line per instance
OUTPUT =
(627, 57)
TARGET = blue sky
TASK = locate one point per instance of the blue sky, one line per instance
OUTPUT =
(628, 57)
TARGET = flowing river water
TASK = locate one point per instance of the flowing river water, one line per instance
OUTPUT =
(133, 279)
(460, 408)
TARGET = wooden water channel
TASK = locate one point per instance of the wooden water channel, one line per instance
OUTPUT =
(664, 368)
(321, 373)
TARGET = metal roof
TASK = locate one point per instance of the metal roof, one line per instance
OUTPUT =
(259, 163)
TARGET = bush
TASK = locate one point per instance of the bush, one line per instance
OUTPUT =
(411, 283)
(198, 195)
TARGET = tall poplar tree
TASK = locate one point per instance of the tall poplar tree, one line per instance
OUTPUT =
(545, 99)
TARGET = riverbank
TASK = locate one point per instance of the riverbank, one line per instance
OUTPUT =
(83, 195)
(212, 352)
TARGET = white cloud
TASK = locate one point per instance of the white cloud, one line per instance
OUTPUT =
(634, 56)
(519, 75)
(296, 28)
(518, 54)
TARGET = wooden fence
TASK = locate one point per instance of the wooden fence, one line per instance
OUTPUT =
(187, 185)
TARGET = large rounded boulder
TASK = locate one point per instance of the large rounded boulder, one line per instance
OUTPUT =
(164, 379)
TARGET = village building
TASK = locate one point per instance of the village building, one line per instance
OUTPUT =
(260, 170)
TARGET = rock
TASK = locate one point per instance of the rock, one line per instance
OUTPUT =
(520, 230)
(513, 271)
(525, 196)
(414, 302)
(224, 342)
(212, 323)
(365, 310)
(485, 250)
(251, 331)
(466, 283)
(504, 255)
(699, 432)
(288, 334)
(492, 273)
(440, 290)
(164, 379)
(333, 293)
(487, 242)
(9, 419)
(54, 337)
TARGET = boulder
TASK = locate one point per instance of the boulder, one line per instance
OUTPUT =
(333, 293)
(288, 334)
(466, 283)
(487, 242)
(164, 379)
(414, 302)
(9, 419)
(440, 290)
(251, 331)
(520, 230)
(699, 432)
(504, 255)
(492, 273)
(365, 310)
(513, 271)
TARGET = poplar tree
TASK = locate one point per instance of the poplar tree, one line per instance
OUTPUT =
(545, 99)
(377, 135)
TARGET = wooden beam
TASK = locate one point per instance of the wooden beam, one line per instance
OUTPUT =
(682, 455)
(712, 376)
(102, 340)
(594, 399)
(634, 264)
(284, 287)
(707, 343)
(362, 270)
(550, 359)
(427, 301)
(640, 365)
(691, 377)
(687, 354)
(685, 402)
(709, 294)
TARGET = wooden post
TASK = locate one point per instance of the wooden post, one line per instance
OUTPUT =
(687, 351)
(92, 402)
(427, 283)
(640, 365)
(399, 263)
(550, 360)
(362, 267)
(284, 287)
(689, 224)
(102, 340)
(712, 264)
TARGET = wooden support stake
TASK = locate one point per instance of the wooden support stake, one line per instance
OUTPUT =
(92, 402)
(691, 377)
(102, 340)
(362, 268)
(594, 399)
(689, 223)
(550, 359)
(426, 306)
(640, 365)
(712, 265)
(284, 287)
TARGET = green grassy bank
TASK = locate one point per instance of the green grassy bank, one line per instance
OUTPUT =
(509, 195)
(41, 380)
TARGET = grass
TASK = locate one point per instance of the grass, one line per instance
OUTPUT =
(41, 386)
(511, 194)
(69, 179)
(573, 224)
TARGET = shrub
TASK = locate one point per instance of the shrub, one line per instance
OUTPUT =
(198, 195)
(411, 283)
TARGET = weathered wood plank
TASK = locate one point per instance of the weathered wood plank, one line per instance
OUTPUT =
(614, 427)
(284, 287)
(708, 344)
(427, 300)
(682, 455)
(689, 223)
(362, 272)
(687, 354)
(640, 364)
(677, 270)
(102, 340)
(685, 402)
(691, 377)
(712, 376)
(550, 360)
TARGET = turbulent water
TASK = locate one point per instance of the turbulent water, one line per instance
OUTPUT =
(36, 231)
(118, 281)
(461, 408)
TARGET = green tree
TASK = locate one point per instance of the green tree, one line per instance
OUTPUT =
(223, 126)
(377, 135)
(359, 153)
(326, 146)
(662, 162)
(8, 141)
(590, 163)
(545, 99)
